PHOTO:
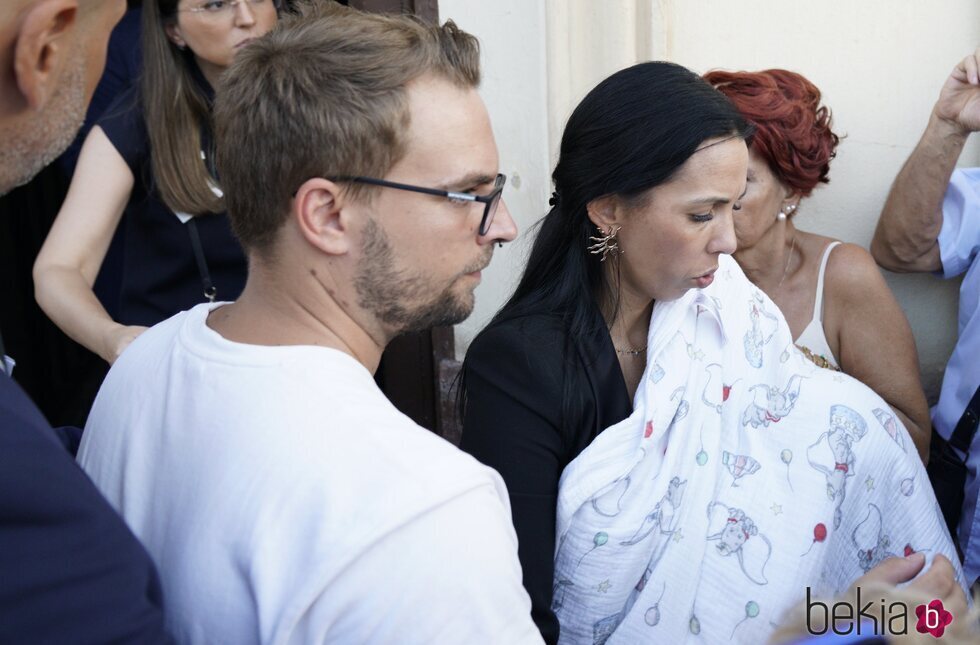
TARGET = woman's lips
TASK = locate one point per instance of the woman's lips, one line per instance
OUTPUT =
(706, 279)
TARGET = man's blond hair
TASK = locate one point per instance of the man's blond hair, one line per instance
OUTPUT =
(324, 95)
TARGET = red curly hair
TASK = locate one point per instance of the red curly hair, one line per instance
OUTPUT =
(792, 129)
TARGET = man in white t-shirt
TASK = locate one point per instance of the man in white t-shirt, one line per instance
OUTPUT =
(284, 499)
(931, 222)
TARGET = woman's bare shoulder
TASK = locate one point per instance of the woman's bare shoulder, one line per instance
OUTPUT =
(852, 274)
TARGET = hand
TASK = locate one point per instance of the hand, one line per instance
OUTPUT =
(118, 339)
(959, 100)
(938, 582)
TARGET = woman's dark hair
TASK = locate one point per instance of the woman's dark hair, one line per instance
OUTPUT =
(630, 133)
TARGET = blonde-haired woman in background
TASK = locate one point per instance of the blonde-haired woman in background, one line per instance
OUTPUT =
(150, 155)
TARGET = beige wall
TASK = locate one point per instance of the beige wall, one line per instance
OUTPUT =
(879, 63)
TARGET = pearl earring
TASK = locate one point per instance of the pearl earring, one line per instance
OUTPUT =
(781, 216)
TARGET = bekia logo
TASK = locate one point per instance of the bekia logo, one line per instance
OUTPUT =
(874, 617)
(933, 618)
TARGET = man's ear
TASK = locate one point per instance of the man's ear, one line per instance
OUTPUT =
(318, 209)
(605, 212)
(43, 48)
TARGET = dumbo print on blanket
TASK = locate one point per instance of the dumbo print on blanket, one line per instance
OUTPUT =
(744, 475)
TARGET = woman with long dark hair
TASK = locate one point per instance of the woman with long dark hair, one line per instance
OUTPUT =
(561, 361)
(151, 155)
(658, 451)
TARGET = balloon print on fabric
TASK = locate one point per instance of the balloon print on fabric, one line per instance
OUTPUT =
(764, 326)
(819, 535)
(694, 625)
(739, 465)
(769, 404)
(907, 487)
(738, 535)
(786, 456)
(751, 611)
(702, 457)
(870, 541)
(652, 615)
(598, 540)
(832, 454)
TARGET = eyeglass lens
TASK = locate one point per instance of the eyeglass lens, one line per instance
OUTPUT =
(491, 207)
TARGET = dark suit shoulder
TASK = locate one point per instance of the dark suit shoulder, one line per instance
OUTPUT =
(72, 570)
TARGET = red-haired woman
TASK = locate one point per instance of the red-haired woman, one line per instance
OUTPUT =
(842, 314)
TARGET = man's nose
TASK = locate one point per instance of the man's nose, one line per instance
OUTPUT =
(502, 227)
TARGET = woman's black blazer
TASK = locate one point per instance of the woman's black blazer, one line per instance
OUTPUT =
(535, 398)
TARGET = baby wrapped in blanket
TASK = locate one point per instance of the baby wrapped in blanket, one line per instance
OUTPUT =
(744, 475)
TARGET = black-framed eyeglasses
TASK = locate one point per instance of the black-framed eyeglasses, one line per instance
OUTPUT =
(489, 201)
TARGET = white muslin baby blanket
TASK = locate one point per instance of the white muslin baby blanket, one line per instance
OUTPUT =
(744, 475)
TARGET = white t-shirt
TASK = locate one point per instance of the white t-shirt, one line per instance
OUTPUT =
(285, 500)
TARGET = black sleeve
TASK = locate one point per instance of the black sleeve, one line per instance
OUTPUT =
(123, 124)
(512, 423)
(70, 569)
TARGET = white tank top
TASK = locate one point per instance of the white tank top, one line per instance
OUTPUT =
(813, 340)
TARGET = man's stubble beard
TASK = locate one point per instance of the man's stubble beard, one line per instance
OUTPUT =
(403, 301)
(44, 137)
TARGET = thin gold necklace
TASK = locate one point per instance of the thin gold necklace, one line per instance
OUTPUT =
(631, 352)
(788, 260)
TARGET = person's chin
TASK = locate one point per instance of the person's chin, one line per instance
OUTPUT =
(445, 316)
(675, 293)
(465, 303)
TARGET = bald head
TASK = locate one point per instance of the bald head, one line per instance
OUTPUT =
(51, 56)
